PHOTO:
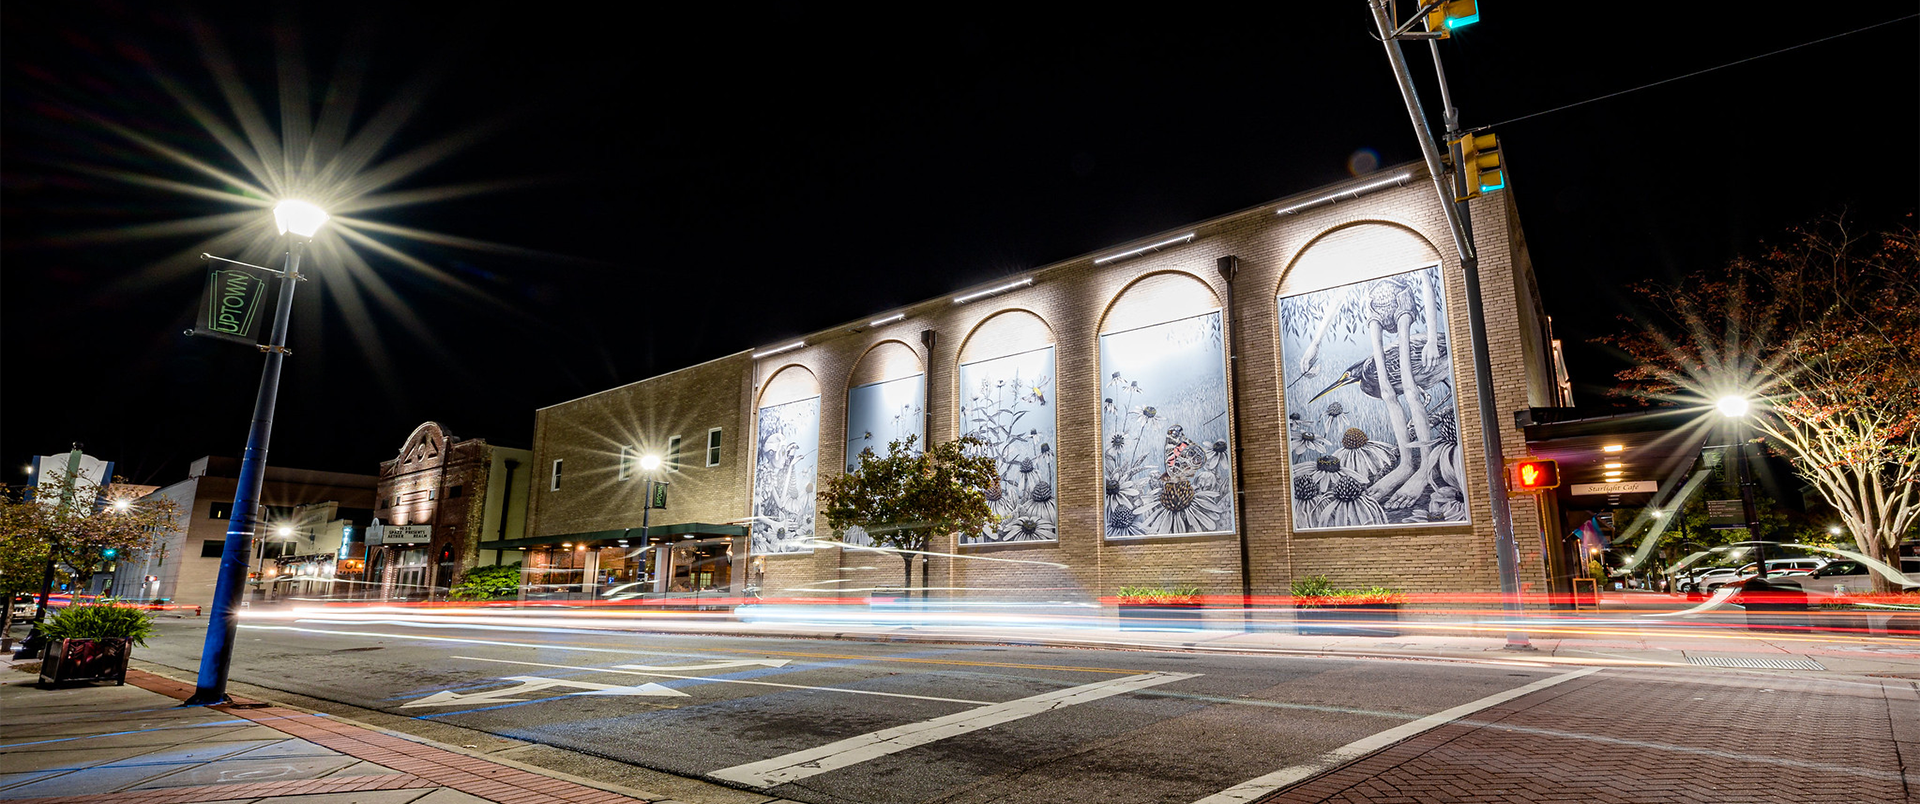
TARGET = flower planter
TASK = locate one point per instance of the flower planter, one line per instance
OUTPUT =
(1160, 616)
(1348, 619)
(86, 660)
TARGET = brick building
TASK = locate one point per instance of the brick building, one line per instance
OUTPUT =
(464, 491)
(1202, 407)
(318, 512)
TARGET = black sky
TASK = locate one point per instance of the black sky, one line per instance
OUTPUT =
(722, 180)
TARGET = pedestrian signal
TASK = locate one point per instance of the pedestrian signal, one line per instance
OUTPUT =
(1535, 474)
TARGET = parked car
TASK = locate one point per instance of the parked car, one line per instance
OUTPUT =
(1853, 576)
(1688, 580)
(1712, 581)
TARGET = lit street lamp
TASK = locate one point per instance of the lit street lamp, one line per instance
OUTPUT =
(299, 220)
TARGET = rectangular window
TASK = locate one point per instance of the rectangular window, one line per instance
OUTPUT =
(673, 453)
(556, 476)
(713, 447)
(626, 462)
(212, 548)
(221, 511)
(457, 491)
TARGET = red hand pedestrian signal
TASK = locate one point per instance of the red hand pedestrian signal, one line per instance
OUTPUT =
(1536, 474)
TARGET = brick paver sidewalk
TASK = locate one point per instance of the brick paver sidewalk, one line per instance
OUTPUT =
(1650, 738)
(418, 765)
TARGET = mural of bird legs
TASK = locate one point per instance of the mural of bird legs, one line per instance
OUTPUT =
(1396, 416)
(1415, 397)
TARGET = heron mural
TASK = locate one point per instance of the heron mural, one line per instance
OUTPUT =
(1372, 418)
(787, 450)
(881, 413)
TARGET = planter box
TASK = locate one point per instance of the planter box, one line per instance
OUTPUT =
(77, 660)
(1160, 616)
(1356, 619)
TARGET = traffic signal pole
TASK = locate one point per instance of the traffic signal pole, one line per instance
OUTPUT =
(1506, 552)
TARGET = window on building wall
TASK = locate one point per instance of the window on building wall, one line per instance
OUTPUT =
(212, 548)
(627, 460)
(457, 491)
(713, 447)
(673, 453)
(220, 511)
(433, 494)
(556, 476)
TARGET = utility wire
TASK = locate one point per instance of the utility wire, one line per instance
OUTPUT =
(1694, 73)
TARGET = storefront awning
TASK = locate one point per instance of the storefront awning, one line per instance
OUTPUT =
(590, 537)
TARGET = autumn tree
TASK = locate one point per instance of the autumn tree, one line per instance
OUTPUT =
(905, 498)
(1822, 332)
(79, 524)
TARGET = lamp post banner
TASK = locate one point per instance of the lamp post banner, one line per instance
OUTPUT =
(231, 308)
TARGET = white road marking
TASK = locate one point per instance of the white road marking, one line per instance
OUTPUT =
(532, 684)
(716, 665)
(1253, 789)
(726, 680)
(854, 750)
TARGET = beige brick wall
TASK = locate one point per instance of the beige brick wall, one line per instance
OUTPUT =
(1068, 305)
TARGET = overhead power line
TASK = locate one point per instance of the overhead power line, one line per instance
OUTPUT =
(1697, 72)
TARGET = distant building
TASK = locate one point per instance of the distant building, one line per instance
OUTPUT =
(305, 513)
(463, 491)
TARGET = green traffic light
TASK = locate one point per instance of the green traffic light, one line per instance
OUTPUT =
(110, 552)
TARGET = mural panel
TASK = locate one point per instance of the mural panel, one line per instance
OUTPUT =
(885, 412)
(1369, 453)
(1007, 404)
(1163, 430)
(785, 467)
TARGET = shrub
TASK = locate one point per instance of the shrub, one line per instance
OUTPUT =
(488, 583)
(1156, 596)
(99, 622)
(1314, 591)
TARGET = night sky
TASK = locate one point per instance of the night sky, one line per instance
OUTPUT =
(654, 191)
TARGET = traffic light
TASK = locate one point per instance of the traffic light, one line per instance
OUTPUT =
(1451, 14)
(1480, 164)
(109, 552)
(1535, 474)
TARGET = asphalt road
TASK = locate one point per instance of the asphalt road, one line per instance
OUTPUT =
(842, 721)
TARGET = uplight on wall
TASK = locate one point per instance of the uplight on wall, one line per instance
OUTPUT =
(888, 320)
(1351, 192)
(991, 291)
(778, 349)
(1185, 238)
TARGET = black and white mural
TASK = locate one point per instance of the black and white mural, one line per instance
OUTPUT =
(881, 413)
(1008, 404)
(1163, 429)
(786, 458)
(1372, 417)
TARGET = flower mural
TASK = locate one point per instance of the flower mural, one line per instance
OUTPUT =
(1390, 335)
(784, 477)
(1166, 465)
(881, 413)
(1006, 406)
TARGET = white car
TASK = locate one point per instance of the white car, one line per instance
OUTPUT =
(1847, 576)
(1781, 566)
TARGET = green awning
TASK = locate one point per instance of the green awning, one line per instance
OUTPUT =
(589, 537)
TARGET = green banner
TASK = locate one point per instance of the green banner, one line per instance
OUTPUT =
(231, 307)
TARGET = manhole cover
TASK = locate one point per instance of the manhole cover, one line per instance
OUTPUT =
(1763, 664)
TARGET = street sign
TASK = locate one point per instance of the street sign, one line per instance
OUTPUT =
(1622, 487)
(1726, 514)
(230, 311)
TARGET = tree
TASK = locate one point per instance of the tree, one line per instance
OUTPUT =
(23, 555)
(488, 583)
(79, 524)
(905, 498)
(1823, 333)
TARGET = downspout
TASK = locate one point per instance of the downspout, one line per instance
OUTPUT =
(506, 508)
(1229, 268)
(928, 338)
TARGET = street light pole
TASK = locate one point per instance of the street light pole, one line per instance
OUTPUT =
(223, 619)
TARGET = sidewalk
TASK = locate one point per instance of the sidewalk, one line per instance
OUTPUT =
(136, 745)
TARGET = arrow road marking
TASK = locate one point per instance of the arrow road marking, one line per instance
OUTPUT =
(714, 680)
(532, 684)
(854, 750)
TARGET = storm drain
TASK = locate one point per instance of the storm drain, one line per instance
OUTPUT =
(1764, 664)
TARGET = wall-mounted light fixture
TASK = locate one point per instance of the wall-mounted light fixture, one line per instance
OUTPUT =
(1185, 238)
(778, 349)
(1351, 192)
(888, 320)
(990, 291)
